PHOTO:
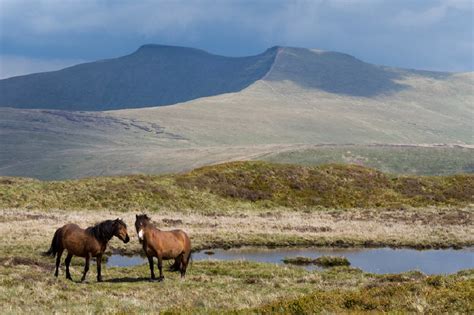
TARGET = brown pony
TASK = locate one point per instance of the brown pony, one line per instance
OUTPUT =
(164, 245)
(87, 243)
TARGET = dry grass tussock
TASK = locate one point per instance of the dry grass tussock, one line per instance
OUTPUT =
(34, 228)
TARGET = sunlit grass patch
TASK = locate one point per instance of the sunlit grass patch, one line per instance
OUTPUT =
(249, 186)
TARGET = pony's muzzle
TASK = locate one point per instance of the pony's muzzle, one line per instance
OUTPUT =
(127, 239)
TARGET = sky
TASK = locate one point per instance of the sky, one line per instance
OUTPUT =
(45, 35)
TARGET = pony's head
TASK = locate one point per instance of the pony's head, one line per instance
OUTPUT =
(140, 222)
(120, 230)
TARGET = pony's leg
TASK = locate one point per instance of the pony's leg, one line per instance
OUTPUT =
(86, 268)
(176, 265)
(160, 267)
(152, 267)
(184, 265)
(68, 262)
(99, 267)
(58, 261)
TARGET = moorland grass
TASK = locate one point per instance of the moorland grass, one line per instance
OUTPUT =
(323, 261)
(242, 185)
(28, 285)
(434, 294)
(329, 186)
(298, 260)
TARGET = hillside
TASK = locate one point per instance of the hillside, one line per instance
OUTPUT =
(304, 99)
(294, 99)
(242, 185)
(394, 159)
(154, 75)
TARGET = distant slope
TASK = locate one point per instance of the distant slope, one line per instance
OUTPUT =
(394, 159)
(317, 97)
(49, 145)
(303, 98)
(339, 73)
(154, 75)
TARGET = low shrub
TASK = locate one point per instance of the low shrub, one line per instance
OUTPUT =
(299, 260)
(331, 261)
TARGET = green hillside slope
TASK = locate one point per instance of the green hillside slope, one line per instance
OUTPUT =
(242, 185)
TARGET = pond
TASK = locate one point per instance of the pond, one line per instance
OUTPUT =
(374, 260)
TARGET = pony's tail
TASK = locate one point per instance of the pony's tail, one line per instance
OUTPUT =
(190, 258)
(52, 251)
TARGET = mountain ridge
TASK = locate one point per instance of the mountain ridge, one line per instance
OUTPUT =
(151, 76)
(159, 75)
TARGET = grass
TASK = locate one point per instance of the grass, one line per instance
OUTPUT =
(331, 261)
(416, 228)
(28, 285)
(298, 260)
(323, 261)
(435, 294)
(243, 186)
(328, 186)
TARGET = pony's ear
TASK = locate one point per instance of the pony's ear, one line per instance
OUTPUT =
(136, 216)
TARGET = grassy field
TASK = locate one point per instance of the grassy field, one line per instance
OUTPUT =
(232, 205)
(230, 287)
(27, 282)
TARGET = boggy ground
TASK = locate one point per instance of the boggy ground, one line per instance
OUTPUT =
(27, 282)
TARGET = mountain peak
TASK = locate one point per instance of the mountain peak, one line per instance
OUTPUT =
(159, 47)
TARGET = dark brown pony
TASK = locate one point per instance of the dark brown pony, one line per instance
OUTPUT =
(164, 245)
(87, 243)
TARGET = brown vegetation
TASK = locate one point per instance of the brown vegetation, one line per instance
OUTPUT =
(239, 185)
(331, 186)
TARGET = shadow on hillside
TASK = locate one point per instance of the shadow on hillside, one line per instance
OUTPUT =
(340, 73)
(155, 75)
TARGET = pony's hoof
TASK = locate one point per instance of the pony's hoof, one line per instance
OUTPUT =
(161, 279)
(99, 280)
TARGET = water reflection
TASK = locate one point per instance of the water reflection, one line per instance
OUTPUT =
(374, 260)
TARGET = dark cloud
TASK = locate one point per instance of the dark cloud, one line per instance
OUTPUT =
(417, 34)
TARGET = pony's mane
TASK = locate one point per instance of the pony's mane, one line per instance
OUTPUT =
(104, 230)
(143, 217)
(146, 219)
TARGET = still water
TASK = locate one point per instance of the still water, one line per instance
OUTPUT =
(374, 260)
